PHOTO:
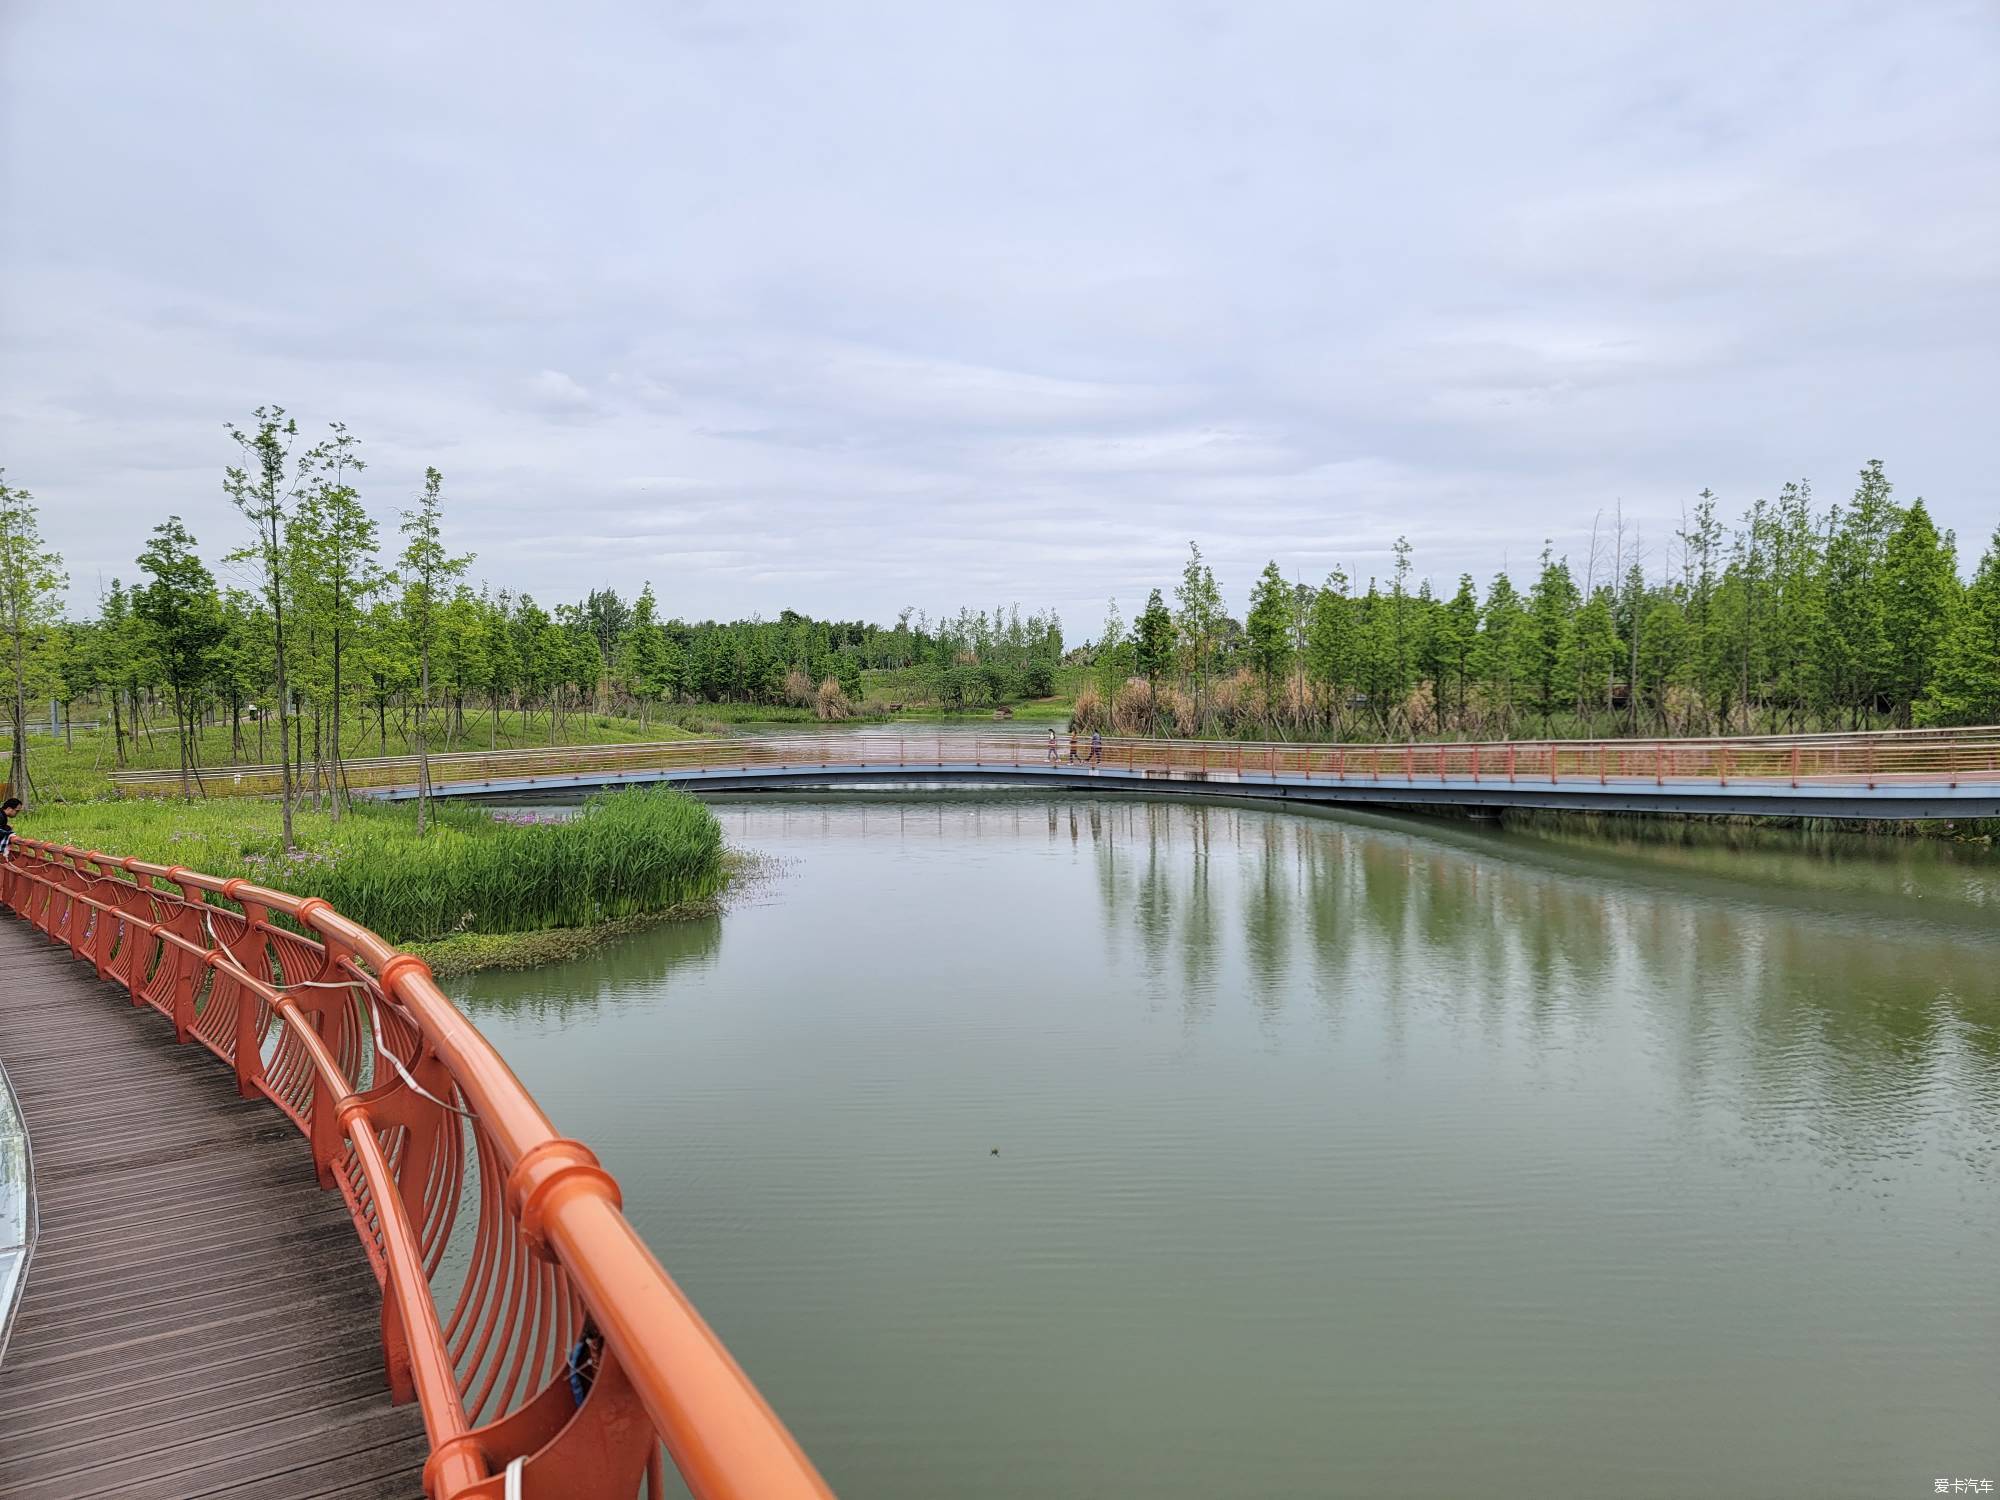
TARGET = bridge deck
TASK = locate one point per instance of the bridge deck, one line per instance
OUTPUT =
(199, 1319)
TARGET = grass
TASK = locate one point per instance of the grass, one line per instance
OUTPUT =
(910, 688)
(627, 855)
(471, 952)
(716, 718)
(72, 773)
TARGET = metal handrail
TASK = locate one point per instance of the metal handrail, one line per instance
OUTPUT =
(447, 1165)
(1892, 756)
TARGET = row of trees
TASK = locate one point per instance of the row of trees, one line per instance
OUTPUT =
(1793, 619)
(323, 634)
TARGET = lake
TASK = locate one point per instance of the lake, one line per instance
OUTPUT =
(1022, 1145)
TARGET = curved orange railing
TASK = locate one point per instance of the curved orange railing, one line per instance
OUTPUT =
(1881, 760)
(504, 1260)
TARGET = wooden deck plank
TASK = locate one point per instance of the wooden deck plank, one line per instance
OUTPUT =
(199, 1318)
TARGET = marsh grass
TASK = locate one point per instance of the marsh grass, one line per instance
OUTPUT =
(625, 854)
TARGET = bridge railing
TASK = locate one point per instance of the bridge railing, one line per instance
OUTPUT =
(1940, 757)
(519, 1307)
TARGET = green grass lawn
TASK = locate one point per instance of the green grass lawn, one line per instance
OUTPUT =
(909, 688)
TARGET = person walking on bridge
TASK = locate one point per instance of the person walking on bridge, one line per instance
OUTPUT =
(1096, 750)
(1053, 752)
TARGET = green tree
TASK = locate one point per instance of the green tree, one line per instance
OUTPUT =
(119, 657)
(77, 665)
(180, 622)
(1455, 640)
(1153, 641)
(427, 571)
(242, 660)
(1663, 657)
(1497, 660)
(331, 548)
(1113, 661)
(1199, 620)
(1591, 661)
(1269, 627)
(1964, 688)
(1330, 645)
(264, 489)
(1853, 638)
(1544, 643)
(642, 653)
(1919, 599)
(31, 585)
(1798, 614)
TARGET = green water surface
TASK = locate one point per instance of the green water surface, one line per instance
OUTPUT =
(1337, 1155)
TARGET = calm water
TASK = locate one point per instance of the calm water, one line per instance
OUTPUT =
(1337, 1155)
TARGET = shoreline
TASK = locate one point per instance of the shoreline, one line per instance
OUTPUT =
(466, 953)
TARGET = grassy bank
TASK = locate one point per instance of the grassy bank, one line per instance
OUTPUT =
(626, 856)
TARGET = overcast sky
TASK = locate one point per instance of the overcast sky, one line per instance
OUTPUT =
(844, 307)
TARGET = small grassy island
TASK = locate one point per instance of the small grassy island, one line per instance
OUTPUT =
(478, 890)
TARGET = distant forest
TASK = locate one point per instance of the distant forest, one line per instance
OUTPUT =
(1793, 617)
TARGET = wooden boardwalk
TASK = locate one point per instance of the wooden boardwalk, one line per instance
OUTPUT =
(199, 1319)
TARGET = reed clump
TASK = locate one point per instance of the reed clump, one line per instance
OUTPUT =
(624, 854)
(1088, 714)
(831, 703)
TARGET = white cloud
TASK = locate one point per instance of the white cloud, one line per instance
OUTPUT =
(846, 308)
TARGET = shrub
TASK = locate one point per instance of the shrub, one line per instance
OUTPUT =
(1088, 715)
(1132, 708)
(831, 702)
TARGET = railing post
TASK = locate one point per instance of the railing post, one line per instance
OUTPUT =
(255, 960)
(1511, 749)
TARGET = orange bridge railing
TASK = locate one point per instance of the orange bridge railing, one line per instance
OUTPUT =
(511, 1281)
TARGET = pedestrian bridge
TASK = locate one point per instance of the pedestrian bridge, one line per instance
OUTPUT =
(1915, 774)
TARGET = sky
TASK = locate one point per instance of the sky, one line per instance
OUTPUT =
(851, 307)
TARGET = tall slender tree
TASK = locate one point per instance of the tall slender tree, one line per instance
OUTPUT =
(1965, 687)
(265, 488)
(334, 572)
(180, 620)
(1153, 644)
(1200, 620)
(428, 571)
(1269, 627)
(1920, 593)
(31, 585)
